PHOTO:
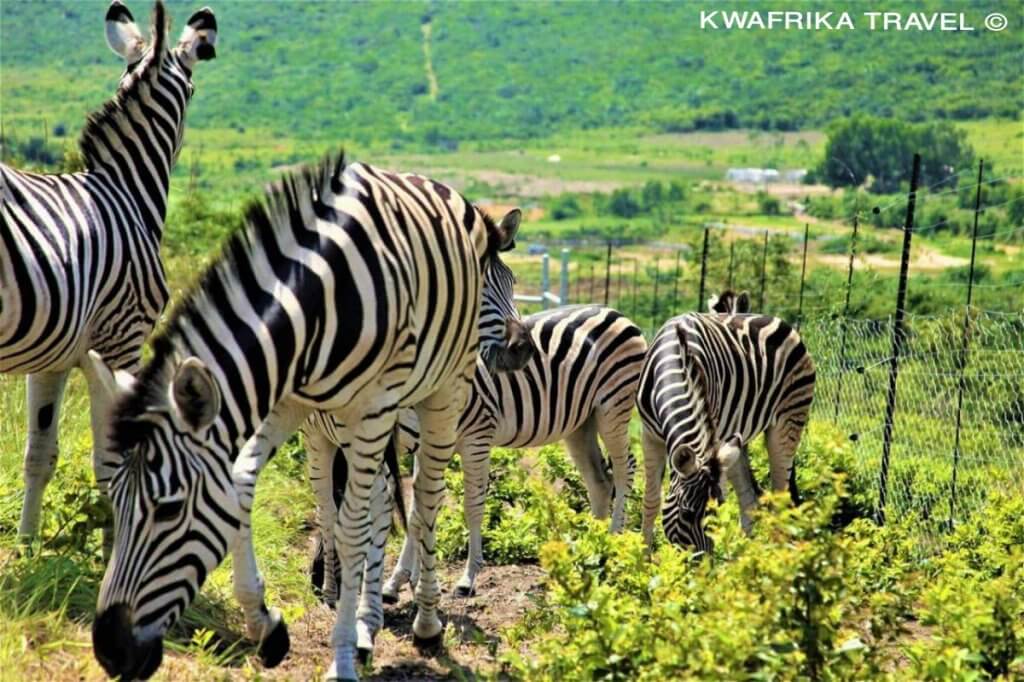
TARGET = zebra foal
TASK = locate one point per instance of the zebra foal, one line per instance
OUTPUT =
(352, 291)
(80, 252)
(711, 382)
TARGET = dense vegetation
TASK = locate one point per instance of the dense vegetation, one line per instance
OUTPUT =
(864, 148)
(434, 75)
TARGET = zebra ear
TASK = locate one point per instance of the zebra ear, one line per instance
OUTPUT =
(743, 302)
(729, 452)
(195, 394)
(200, 36)
(123, 35)
(682, 461)
(712, 303)
(508, 228)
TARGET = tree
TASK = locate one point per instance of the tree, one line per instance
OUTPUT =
(864, 148)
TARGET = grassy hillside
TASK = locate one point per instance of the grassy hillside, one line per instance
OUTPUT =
(434, 75)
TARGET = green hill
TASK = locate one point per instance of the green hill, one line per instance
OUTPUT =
(433, 75)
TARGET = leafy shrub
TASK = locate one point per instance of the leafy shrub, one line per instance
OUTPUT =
(565, 207)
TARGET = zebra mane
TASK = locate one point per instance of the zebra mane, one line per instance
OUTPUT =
(114, 108)
(297, 196)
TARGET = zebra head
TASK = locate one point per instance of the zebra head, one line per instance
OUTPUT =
(505, 342)
(693, 484)
(172, 487)
(698, 458)
(166, 71)
(729, 302)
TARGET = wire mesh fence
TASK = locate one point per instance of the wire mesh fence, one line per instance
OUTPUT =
(958, 426)
(956, 433)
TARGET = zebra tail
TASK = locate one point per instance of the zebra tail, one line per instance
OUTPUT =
(395, 472)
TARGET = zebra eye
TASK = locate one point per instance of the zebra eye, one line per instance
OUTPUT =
(169, 510)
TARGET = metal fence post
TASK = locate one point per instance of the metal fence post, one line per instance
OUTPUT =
(607, 272)
(964, 347)
(846, 311)
(675, 283)
(897, 342)
(622, 282)
(592, 296)
(732, 256)
(563, 279)
(654, 301)
(636, 279)
(764, 271)
(703, 271)
(803, 275)
(545, 280)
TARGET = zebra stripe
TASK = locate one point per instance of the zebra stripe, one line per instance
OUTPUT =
(80, 252)
(354, 291)
(581, 383)
(711, 383)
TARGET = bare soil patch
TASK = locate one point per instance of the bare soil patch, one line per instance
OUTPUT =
(472, 639)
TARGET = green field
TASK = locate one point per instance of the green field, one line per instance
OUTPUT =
(604, 122)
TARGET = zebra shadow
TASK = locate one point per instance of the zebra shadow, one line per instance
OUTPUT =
(461, 628)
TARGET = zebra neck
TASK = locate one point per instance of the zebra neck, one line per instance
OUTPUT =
(249, 377)
(133, 141)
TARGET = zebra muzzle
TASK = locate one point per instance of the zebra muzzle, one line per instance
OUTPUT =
(117, 649)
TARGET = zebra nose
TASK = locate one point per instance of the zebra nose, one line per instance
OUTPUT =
(117, 649)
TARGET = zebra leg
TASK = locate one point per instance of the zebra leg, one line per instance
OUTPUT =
(439, 416)
(44, 396)
(615, 434)
(406, 568)
(352, 529)
(742, 480)
(655, 456)
(476, 467)
(781, 440)
(370, 617)
(321, 454)
(261, 624)
(585, 452)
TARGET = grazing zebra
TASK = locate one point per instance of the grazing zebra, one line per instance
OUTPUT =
(581, 383)
(353, 291)
(729, 302)
(80, 253)
(711, 383)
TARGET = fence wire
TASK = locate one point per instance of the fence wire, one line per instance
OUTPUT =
(958, 427)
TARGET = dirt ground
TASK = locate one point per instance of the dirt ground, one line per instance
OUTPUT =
(472, 640)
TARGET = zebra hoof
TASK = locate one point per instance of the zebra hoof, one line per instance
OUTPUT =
(389, 597)
(275, 647)
(364, 655)
(465, 591)
(428, 645)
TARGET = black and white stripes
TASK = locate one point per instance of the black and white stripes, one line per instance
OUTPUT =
(80, 253)
(711, 382)
(353, 291)
(581, 383)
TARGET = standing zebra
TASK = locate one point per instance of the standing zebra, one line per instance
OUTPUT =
(581, 383)
(710, 384)
(353, 291)
(80, 253)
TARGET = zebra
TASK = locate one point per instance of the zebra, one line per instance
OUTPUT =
(351, 290)
(710, 383)
(582, 382)
(80, 252)
(729, 302)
